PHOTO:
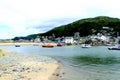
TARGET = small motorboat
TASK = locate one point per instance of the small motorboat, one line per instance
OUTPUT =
(48, 45)
(114, 48)
(17, 45)
(86, 46)
(59, 45)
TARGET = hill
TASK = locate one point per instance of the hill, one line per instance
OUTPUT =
(85, 27)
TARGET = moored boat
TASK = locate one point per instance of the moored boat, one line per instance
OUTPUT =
(86, 46)
(114, 48)
(48, 45)
(59, 44)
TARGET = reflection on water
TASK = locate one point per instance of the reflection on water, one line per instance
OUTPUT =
(96, 63)
(88, 60)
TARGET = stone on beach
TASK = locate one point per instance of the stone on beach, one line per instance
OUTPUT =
(23, 67)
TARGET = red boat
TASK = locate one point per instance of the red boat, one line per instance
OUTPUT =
(59, 44)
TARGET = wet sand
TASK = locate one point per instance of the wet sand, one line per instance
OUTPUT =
(14, 66)
(24, 44)
(19, 43)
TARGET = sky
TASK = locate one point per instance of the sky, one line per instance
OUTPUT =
(25, 17)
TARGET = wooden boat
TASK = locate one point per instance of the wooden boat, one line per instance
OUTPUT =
(48, 45)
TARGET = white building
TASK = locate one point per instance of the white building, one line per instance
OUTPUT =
(37, 39)
(69, 40)
(104, 38)
(100, 37)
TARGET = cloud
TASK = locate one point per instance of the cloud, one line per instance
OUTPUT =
(52, 23)
(24, 17)
(11, 19)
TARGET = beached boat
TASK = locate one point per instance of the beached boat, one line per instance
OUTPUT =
(48, 45)
(86, 46)
(17, 45)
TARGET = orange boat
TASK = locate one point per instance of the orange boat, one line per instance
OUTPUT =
(48, 45)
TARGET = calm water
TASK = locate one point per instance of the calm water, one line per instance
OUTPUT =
(96, 63)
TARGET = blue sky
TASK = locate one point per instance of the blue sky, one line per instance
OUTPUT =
(24, 17)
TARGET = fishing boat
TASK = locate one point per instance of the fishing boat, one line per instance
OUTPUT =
(48, 45)
(86, 46)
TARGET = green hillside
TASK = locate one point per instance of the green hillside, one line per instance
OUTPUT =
(86, 26)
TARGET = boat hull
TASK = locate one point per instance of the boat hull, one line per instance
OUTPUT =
(114, 48)
(86, 46)
(59, 45)
(17, 45)
(48, 46)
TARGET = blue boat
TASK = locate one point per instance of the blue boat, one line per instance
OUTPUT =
(86, 46)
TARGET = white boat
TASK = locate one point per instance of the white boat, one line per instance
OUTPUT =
(114, 48)
(86, 46)
(17, 45)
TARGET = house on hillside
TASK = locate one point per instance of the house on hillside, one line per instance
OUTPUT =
(118, 40)
(37, 40)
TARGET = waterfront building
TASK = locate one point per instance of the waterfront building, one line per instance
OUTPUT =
(37, 40)
(69, 40)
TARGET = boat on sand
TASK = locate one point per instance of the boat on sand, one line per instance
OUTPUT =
(17, 45)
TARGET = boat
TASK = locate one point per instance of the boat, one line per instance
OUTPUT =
(17, 45)
(59, 44)
(48, 45)
(114, 48)
(86, 46)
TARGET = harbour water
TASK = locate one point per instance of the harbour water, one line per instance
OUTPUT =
(95, 63)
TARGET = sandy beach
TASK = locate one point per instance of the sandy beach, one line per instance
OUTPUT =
(24, 44)
(14, 66)
(19, 43)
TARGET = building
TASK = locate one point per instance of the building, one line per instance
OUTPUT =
(69, 40)
(37, 40)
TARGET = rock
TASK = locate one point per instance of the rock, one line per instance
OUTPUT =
(15, 70)
(29, 79)
(63, 73)
(57, 74)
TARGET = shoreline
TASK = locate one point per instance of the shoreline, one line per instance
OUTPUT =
(19, 43)
(24, 44)
(22, 67)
